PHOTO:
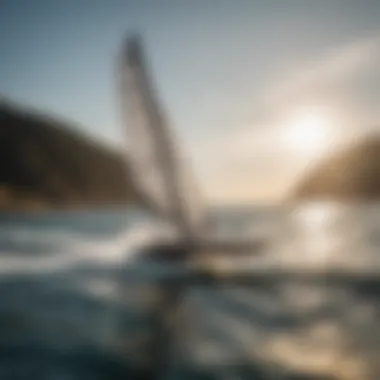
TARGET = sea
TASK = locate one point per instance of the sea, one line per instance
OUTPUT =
(81, 299)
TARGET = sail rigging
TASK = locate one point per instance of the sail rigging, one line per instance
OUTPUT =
(161, 173)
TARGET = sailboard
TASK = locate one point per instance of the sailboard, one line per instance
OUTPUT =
(161, 172)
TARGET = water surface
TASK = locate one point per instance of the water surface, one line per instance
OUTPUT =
(69, 296)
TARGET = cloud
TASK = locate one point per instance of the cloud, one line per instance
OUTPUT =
(339, 64)
(247, 160)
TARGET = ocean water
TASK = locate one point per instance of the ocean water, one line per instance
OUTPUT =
(79, 300)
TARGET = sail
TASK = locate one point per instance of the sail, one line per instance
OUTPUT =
(160, 171)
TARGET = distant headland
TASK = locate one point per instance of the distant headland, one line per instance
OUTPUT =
(46, 164)
(352, 174)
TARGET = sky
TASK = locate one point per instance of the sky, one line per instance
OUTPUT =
(257, 91)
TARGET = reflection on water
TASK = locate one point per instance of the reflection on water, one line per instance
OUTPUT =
(65, 288)
(322, 328)
(331, 235)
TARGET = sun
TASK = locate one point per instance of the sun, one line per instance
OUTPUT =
(308, 130)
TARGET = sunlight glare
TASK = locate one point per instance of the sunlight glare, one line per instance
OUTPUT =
(308, 131)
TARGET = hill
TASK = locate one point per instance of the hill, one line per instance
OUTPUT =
(45, 164)
(351, 174)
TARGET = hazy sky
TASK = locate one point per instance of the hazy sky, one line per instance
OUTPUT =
(235, 76)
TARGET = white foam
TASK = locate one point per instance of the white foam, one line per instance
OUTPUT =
(70, 250)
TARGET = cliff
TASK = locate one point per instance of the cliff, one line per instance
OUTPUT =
(351, 174)
(45, 164)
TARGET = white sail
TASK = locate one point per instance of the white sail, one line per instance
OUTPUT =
(160, 172)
